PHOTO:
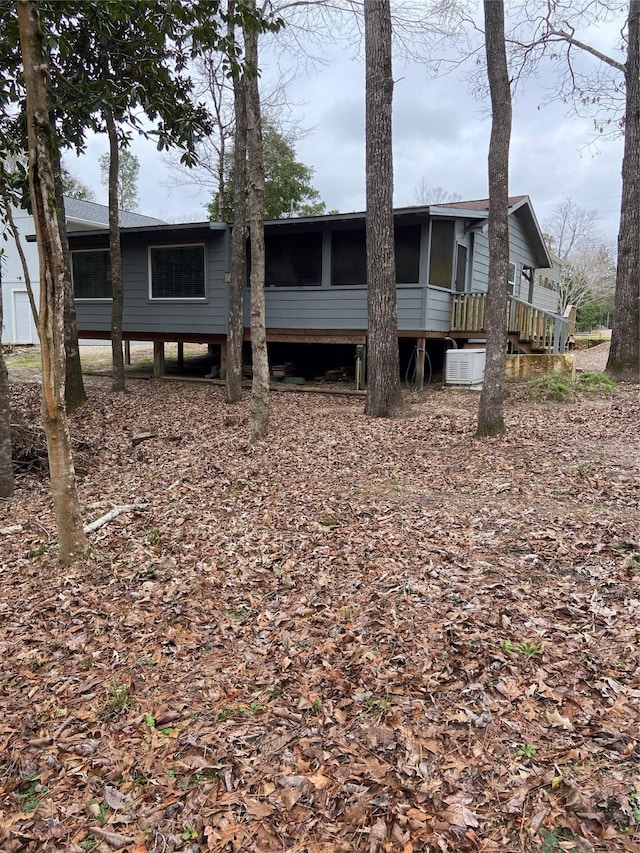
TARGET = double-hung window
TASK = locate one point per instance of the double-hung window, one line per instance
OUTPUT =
(177, 272)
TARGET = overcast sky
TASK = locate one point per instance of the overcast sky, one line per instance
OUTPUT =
(441, 135)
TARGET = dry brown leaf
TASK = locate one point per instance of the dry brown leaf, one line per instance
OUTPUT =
(116, 800)
(458, 814)
(323, 616)
(319, 780)
(377, 836)
(555, 719)
(257, 808)
(417, 814)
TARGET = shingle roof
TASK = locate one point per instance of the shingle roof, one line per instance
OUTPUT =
(89, 211)
(478, 204)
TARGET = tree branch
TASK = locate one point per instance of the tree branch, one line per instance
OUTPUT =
(109, 516)
(608, 60)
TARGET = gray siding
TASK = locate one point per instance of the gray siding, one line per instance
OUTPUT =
(545, 298)
(149, 316)
(345, 308)
(438, 309)
(412, 307)
(520, 252)
(480, 272)
(314, 308)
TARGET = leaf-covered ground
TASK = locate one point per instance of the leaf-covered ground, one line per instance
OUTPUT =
(361, 635)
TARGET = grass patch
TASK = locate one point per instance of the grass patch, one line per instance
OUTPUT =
(561, 389)
(595, 383)
(25, 358)
(119, 701)
(552, 387)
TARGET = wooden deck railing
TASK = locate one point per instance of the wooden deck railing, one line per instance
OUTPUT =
(540, 329)
(468, 312)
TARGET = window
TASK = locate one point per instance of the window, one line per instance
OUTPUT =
(177, 272)
(293, 260)
(407, 246)
(511, 280)
(349, 257)
(91, 274)
(461, 267)
(441, 258)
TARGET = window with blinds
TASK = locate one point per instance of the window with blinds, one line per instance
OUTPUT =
(177, 272)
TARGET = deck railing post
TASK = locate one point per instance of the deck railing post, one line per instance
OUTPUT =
(559, 335)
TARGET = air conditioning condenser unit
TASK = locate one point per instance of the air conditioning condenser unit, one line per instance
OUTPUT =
(465, 367)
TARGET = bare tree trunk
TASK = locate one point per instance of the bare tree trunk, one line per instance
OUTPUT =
(490, 413)
(41, 139)
(235, 327)
(117, 376)
(6, 465)
(384, 395)
(222, 183)
(74, 393)
(255, 214)
(624, 355)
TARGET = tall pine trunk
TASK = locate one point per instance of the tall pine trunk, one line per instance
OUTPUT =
(235, 328)
(117, 376)
(259, 407)
(384, 395)
(6, 465)
(51, 326)
(491, 410)
(624, 355)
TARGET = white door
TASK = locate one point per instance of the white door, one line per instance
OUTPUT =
(23, 326)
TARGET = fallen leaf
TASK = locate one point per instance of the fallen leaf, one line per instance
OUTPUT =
(377, 835)
(459, 815)
(319, 781)
(257, 808)
(417, 814)
(115, 800)
(555, 719)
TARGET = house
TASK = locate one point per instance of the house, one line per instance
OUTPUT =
(18, 326)
(176, 280)
(550, 279)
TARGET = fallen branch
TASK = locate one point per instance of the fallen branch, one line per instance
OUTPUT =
(142, 436)
(109, 516)
(14, 528)
(113, 839)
